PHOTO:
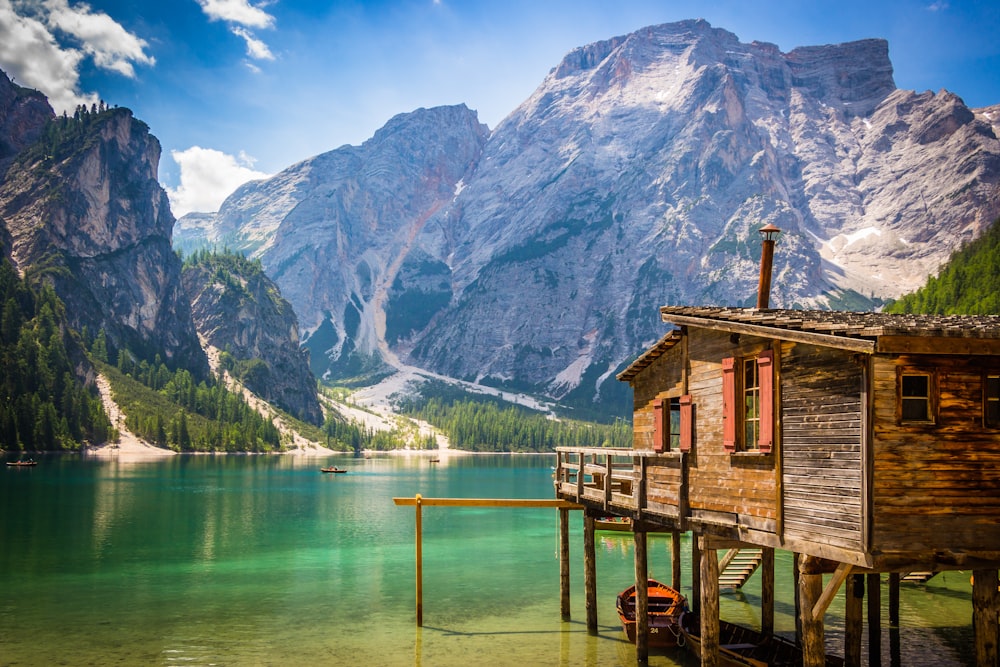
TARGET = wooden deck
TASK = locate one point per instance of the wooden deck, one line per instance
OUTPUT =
(617, 480)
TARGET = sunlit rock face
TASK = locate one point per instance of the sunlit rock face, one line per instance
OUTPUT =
(636, 175)
(86, 214)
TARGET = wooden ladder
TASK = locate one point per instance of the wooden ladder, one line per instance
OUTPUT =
(737, 566)
(917, 577)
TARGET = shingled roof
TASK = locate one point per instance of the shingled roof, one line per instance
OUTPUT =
(861, 332)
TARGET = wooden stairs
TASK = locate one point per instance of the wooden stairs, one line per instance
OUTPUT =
(917, 577)
(737, 566)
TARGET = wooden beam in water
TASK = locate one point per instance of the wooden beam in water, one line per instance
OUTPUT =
(420, 502)
(489, 502)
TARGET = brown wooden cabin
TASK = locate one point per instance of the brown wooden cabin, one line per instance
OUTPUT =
(863, 442)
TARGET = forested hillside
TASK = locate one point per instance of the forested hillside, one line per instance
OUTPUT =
(44, 405)
(968, 284)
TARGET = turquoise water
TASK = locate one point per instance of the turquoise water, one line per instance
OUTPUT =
(263, 560)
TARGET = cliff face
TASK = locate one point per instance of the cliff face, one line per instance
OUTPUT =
(239, 310)
(636, 175)
(23, 115)
(85, 212)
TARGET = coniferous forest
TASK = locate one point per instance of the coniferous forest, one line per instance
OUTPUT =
(968, 284)
(43, 403)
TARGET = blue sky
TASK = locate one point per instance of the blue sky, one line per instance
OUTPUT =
(235, 89)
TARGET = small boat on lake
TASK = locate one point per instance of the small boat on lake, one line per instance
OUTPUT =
(332, 469)
(664, 607)
(22, 463)
(744, 647)
(617, 523)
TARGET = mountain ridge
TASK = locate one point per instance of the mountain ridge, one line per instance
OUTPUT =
(635, 175)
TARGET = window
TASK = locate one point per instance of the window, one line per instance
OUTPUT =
(748, 403)
(751, 404)
(673, 424)
(991, 400)
(915, 397)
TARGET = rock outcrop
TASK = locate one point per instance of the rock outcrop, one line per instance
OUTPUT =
(238, 310)
(85, 213)
(636, 175)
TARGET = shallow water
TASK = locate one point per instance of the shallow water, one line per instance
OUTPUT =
(263, 560)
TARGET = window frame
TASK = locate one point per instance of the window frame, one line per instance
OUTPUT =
(734, 399)
(932, 399)
(987, 422)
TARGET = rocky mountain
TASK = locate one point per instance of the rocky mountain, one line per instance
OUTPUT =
(81, 210)
(637, 174)
(86, 213)
(238, 310)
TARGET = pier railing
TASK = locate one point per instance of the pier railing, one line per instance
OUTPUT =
(619, 480)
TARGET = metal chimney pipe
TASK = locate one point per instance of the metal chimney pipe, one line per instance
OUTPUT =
(770, 235)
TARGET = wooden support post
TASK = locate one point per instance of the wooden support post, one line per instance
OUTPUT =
(420, 563)
(854, 595)
(709, 614)
(564, 605)
(767, 592)
(984, 616)
(874, 620)
(894, 599)
(641, 598)
(590, 571)
(810, 591)
(675, 560)
(895, 654)
(695, 599)
(796, 558)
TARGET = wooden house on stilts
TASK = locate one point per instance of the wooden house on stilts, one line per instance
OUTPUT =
(864, 443)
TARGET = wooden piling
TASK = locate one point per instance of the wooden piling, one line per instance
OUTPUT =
(641, 597)
(894, 599)
(810, 591)
(675, 560)
(420, 562)
(709, 614)
(854, 595)
(984, 616)
(874, 620)
(695, 600)
(564, 605)
(590, 571)
(767, 592)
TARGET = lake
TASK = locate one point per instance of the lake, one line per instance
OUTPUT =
(263, 560)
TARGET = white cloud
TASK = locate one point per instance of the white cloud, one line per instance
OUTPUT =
(42, 45)
(207, 177)
(240, 12)
(110, 45)
(255, 47)
(240, 15)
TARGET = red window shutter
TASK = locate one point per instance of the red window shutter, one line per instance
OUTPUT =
(687, 423)
(660, 424)
(765, 371)
(729, 404)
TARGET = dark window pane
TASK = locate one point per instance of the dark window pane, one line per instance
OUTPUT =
(916, 385)
(915, 409)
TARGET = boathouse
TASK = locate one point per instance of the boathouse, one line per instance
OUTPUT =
(865, 443)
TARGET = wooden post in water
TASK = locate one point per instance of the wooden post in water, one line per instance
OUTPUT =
(564, 606)
(854, 595)
(641, 597)
(767, 592)
(420, 563)
(984, 616)
(675, 560)
(810, 590)
(874, 620)
(709, 614)
(590, 571)
(695, 601)
(894, 599)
